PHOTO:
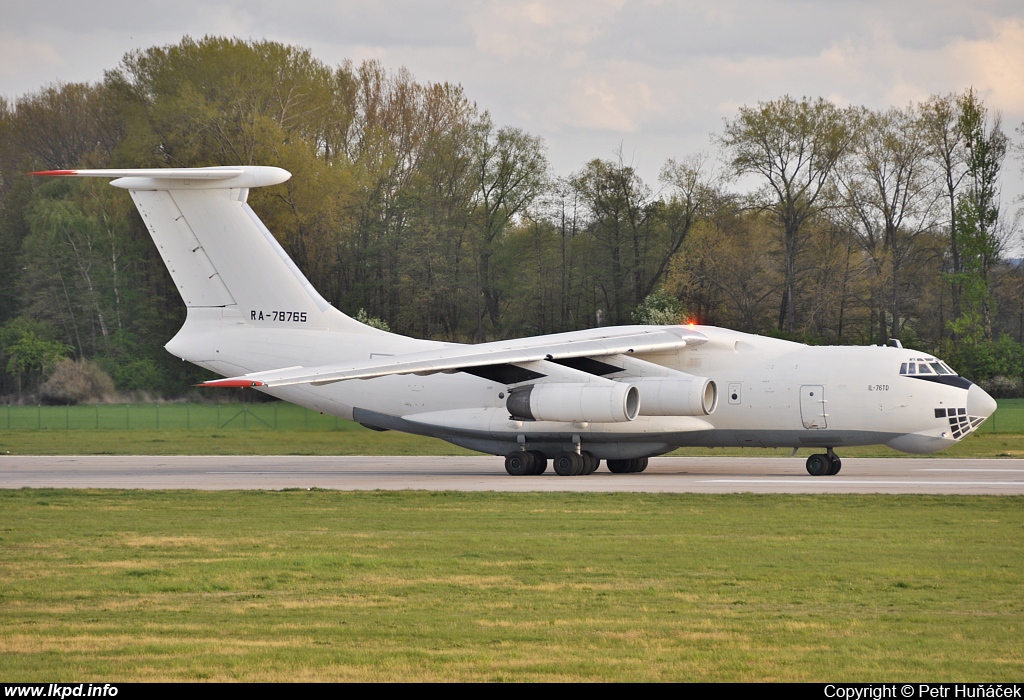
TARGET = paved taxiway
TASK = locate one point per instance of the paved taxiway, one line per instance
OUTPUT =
(665, 474)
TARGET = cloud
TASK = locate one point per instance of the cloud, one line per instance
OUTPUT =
(587, 75)
(534, 29)
(995, 64)
(18, 56)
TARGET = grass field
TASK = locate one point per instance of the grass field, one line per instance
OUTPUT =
(360, 441)
(296, 585)
(1008, 418)
(128, 585)
(278, 428)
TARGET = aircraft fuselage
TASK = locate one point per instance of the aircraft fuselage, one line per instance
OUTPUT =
(771, 393)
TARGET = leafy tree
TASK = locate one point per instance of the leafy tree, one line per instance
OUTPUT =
(632, 233)
(66, 125)
(659, 309)
(726, 271)
(976, 228)
(73, 268)
(372, 321)
(509, 172)
(941, 125)
(794, 148)
(28, 352)
(889, 189)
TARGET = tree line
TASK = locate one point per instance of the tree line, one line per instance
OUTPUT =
(409, 206)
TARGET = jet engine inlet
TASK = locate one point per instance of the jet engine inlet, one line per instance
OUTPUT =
(601, 403)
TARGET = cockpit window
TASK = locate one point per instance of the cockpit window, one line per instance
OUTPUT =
(921, 365)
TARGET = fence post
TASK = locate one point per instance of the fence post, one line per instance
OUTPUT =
(97, 416)
(275, 416)
(158, 416)
(218, 416)
(127, 419)
(67, 416)
(188, 418)
(39, 416)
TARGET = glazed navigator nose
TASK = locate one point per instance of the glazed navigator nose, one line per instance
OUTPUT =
(979, 403)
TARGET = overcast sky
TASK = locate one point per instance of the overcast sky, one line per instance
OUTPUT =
(656, 78)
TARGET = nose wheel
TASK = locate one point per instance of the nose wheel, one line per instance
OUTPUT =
(827, 464)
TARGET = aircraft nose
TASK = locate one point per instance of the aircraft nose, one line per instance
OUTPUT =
(979, 403)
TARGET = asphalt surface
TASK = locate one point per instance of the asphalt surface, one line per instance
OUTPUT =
(665, 474)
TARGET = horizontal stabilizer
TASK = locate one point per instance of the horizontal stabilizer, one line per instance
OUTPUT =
(597, 342)
(226, 177)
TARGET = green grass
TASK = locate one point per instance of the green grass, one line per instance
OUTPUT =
(241, 429)
(147, 586)
(258, 417)
(274, 415)
(356, 440)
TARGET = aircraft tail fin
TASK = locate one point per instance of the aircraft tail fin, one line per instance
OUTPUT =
(217, 250)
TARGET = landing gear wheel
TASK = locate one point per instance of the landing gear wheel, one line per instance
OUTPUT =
(520, 463)
(835, 463)
(568, 464)
(540, 462)
(619, 466)
(590, 463)
(627, 466)
(819, 465)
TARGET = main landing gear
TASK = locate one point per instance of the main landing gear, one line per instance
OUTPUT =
(627, 466)
(532, 462)
(827, 464)
(529, 463)
(568, 463)
(575, 463)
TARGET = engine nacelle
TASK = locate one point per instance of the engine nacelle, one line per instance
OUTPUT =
(614, 402)
(677, 396)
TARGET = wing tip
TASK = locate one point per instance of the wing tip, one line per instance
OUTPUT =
(53, 173)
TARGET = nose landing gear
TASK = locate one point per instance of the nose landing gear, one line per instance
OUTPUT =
(827, 464)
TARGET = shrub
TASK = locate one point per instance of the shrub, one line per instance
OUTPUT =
(75, 381)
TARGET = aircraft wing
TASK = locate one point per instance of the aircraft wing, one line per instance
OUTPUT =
(598, 342)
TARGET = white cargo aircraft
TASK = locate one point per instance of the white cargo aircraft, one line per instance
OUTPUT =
(617, 394)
